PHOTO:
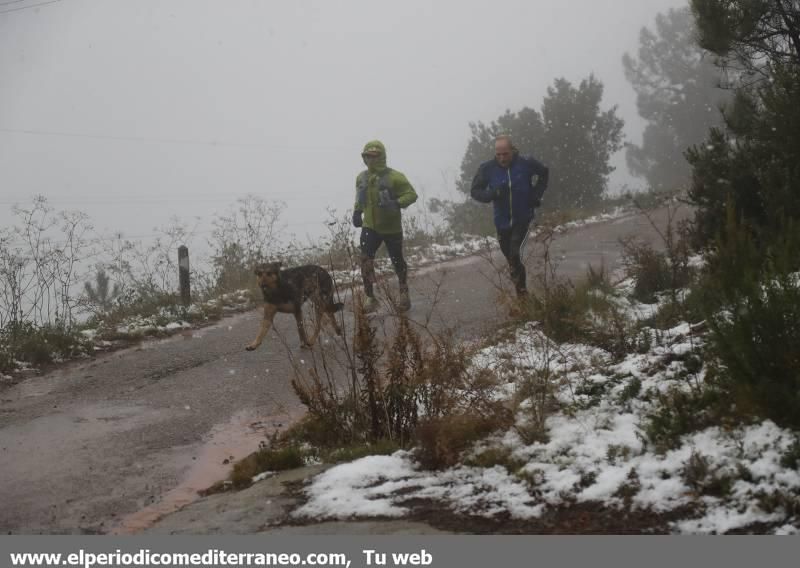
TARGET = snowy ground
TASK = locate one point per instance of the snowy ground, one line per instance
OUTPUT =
(595, 449)
(170, 319)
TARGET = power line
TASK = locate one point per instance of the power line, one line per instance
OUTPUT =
(25, 7)
(287, 196)
(139, 238)
(212, 143)
(188, 141)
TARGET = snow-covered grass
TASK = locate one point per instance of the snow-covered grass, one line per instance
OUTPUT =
(596, 448)
(171, 319)
(614, 214)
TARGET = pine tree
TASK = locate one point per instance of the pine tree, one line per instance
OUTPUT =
(678, 94)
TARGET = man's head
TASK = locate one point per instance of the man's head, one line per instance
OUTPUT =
(503, 150)
(374, 155)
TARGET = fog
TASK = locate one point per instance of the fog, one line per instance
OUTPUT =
(137, 111)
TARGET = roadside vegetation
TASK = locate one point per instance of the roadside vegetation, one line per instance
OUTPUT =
(67, 292)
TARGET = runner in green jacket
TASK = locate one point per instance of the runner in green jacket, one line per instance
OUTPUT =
(381, 194)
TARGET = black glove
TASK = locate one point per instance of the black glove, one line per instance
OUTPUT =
(357, 220)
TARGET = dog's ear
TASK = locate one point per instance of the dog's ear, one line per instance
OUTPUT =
(257, 270)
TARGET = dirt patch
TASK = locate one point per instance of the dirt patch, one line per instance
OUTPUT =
(583, 519)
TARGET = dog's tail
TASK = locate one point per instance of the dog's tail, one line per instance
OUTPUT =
(334, 307)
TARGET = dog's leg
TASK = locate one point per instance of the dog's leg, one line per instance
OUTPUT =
(316, 302)
(332, 317)
(319, 313)
(326, 306)
(266, 323)
(329, 311)
(301, 331)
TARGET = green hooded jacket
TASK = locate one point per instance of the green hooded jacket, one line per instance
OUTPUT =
(370, 182)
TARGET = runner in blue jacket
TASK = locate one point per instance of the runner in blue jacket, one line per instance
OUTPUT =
(508, 183)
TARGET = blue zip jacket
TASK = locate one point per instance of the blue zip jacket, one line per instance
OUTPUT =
(511, 189)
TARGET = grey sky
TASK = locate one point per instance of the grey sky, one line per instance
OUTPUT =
(127, 108)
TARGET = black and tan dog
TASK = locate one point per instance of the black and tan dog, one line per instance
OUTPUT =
(287, 290)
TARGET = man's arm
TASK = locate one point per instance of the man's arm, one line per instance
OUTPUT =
(358, 208)
(542, 174)
(360, 199)
(480, 190)
(403, 191)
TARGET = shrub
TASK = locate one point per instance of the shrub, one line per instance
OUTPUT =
(492, 456)
(443, 440)
(678, 412)
(38, 345)
(584, 312)
(401, 392)
(751, 165)
(656, 271)
(758, 346)
(265, 460)
(648, 268)
(699, 473)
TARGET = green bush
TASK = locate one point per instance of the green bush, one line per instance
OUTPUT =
(758, 346)
(583, 312)
(6, 358)
(38, 345)
(656, 271)
(562, 312)
(493, 456)
(679, 413)
(265, 460)
(752, 164)
(751, 300)
(704, 479)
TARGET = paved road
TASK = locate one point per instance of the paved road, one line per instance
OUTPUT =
(112, 444)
